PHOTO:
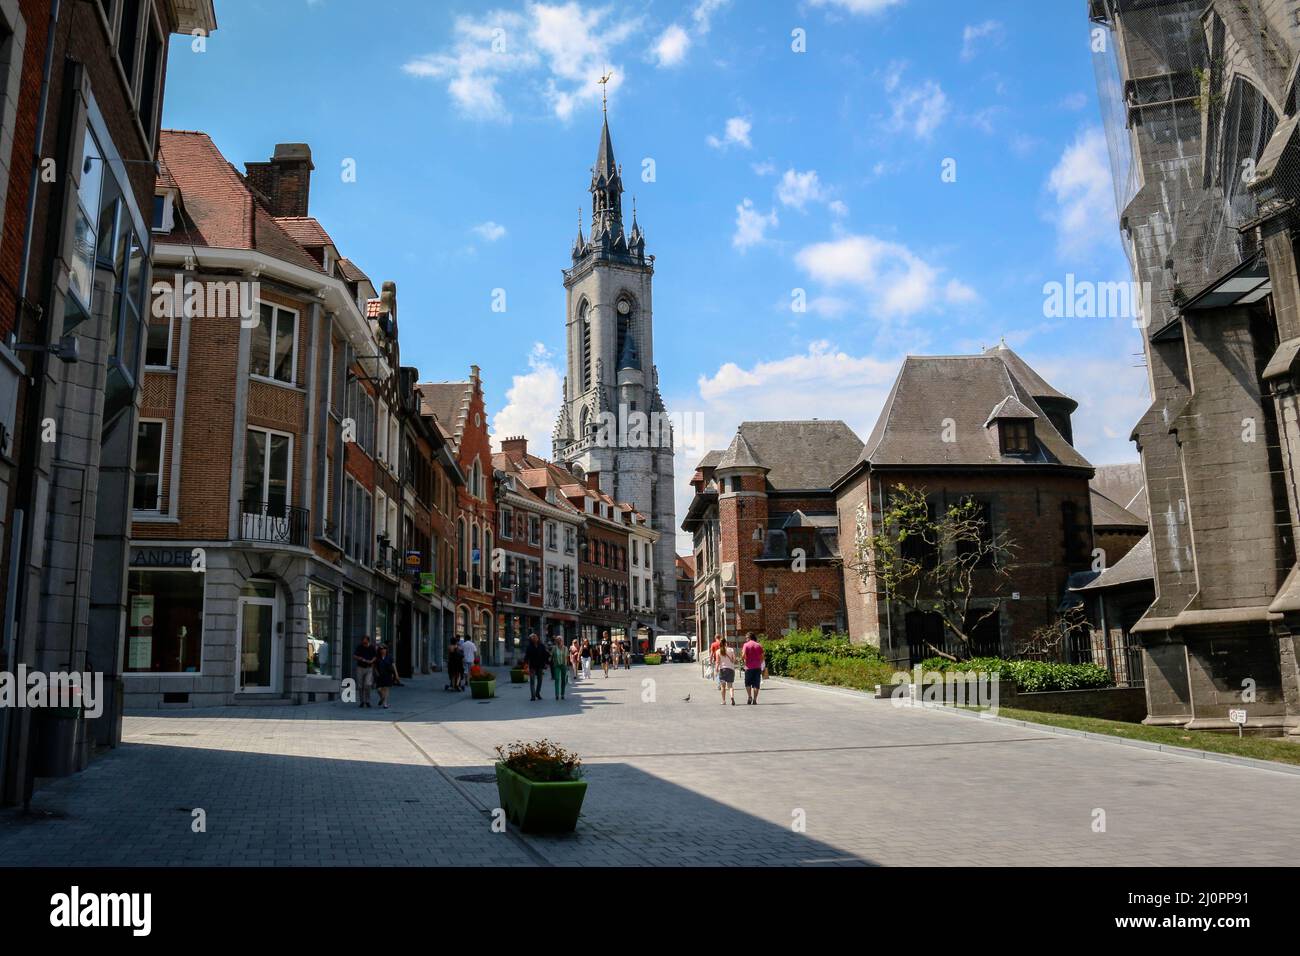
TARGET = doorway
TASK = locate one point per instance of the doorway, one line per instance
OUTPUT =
(258, 641)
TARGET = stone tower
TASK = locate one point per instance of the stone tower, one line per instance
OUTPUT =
(613, 423)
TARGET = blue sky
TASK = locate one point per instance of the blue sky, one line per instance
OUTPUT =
(473, 127)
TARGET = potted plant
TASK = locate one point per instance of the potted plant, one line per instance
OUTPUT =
(482, 683)
(540, 786)
(519, 674)
(653, 659)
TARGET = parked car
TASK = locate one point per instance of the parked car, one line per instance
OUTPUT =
(675, 647)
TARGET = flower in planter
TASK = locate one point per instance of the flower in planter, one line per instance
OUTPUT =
(541, 761)
(478, 673)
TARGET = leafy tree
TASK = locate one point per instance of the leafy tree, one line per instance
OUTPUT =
(948, 563)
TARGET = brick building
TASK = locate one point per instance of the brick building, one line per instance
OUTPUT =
(1201, 96)
(268, 476)
(539, 530)
(686, 594)
(459, 408)
(765, 530)
(989, 428)
(84, 86)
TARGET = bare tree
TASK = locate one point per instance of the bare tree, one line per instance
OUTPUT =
(1044, 642)
(947, 563)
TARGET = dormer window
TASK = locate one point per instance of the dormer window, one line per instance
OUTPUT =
(1017, 436)
(164, 211)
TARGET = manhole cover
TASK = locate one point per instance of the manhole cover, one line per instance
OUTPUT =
(478, 777)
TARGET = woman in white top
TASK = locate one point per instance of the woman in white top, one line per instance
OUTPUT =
(726, 664)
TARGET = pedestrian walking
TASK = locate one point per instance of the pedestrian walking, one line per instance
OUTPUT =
(455, 664)
(605, 650)
(574, 654)
(385, 674)
(559, 667)
(471, 653)
(752, 652)
(364, 660)
(713, 659)
(725, 665)
(627, 655)
(537, 658)
(584, 655)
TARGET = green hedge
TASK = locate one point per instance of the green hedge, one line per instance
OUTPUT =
(653, 659)
(780, 651)
(826, 659)
(1030, 676)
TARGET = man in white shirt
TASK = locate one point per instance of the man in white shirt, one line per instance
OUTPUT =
(471, 653)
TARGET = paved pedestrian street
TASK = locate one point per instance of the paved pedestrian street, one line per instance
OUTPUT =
(809, 776)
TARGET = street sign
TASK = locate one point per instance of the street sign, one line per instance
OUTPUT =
(1238, 717)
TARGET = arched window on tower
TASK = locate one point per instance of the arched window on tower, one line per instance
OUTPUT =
(623, 310)
(585, 319)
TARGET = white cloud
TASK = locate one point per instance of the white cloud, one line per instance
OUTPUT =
(751, 225)
(670, 49)
(562, 48)
(798, 189)
(736, 134)
(974, 33)
(703, 13)
(531, 403)
(1080, 184)
(860, 7)
(765, 168)
(1074, 102)
(489, 231)
(896, 282)
(838, 207)
(917, 108)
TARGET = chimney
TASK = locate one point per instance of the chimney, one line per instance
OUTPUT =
(515, 448)
(285, 181)
(593, 480)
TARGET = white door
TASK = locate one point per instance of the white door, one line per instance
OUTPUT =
(260, 655)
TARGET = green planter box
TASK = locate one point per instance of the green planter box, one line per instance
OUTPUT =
(517, 676)
(482, 689)
(653, 659)
(540, 807)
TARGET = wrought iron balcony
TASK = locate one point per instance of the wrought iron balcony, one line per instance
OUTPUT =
(273, 523)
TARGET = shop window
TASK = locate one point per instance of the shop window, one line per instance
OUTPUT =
(164, 633)
(322, 631)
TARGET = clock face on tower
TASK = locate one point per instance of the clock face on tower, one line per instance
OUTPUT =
(624, 307)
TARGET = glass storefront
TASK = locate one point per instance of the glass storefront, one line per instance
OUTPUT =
(164, 632)
(322, 631)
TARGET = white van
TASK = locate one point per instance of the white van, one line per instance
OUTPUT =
(675, 647)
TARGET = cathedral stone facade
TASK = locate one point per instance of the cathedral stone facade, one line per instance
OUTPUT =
(613, 427)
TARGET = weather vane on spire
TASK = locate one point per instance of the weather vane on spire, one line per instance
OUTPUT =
(604, 88)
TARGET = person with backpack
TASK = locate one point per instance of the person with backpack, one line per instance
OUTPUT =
(724, 662)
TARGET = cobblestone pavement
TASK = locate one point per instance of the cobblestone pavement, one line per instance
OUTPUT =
(809, 776)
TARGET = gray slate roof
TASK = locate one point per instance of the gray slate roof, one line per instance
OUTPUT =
(1125, 485)
(1109, 514)
(1031, 380)
(739, 454)
(799, 455)
(966, 389)
(1012, 408)
(1136, 566)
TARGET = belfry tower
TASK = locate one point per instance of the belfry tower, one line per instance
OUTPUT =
(613, 423)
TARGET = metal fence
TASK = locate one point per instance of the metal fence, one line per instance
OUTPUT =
(1114, 650)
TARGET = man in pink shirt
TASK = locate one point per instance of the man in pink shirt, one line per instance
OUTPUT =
(752, 652)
